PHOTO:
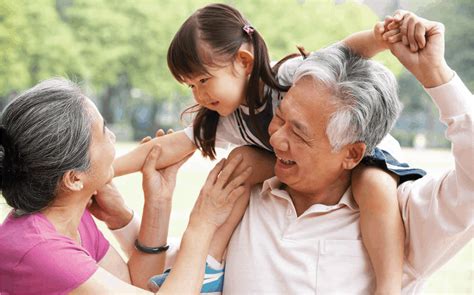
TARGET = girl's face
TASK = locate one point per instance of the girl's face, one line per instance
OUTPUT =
(223, 89)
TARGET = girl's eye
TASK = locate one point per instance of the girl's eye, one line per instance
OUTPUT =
(191, 86)
(203, 80)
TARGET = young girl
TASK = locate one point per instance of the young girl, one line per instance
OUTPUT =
(225, 62)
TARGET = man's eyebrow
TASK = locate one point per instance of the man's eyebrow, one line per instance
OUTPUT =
(301, 128)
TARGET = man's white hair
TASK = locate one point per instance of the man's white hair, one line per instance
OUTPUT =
(364, 92)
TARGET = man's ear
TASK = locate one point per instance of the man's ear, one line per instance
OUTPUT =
(354, 153)
(245, 58)
(72, 180)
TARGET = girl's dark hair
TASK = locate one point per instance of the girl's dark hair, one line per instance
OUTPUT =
(44, 133)
(217, 30)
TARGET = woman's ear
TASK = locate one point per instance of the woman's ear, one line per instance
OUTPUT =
(245, 58)
(354, 153)
(73, 181)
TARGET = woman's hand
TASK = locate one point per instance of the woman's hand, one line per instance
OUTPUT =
(108, 205)
(158, 185)
(218, 195)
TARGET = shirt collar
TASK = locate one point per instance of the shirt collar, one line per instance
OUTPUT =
(272, 187)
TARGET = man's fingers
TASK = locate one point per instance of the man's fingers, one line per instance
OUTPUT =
(410, 32)
(404, 39)
(420, 35)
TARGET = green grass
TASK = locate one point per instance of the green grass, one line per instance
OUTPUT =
(456, 277)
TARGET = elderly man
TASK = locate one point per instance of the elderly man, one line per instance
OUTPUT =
(300, 233)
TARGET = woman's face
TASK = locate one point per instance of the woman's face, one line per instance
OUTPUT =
(102, 150)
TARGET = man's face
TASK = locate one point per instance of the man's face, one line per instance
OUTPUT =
(305, 161)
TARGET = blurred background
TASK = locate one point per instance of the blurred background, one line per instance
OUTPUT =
(116, 49)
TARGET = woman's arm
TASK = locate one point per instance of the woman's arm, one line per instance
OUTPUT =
(212, 208)
(176, 146)
(263, 163)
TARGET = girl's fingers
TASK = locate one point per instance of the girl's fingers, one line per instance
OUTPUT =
(237, 181)
(227, 171)
(159, 133)
(390, 33)
(395, 38)
(145, 139)
(420, 38)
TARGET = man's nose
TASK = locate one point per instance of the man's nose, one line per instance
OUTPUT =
(278, 140)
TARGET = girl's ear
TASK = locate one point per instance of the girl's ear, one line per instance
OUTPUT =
(245, 58)
(72, 181)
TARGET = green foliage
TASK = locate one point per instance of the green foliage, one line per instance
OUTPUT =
(118, 48)
(420, 115)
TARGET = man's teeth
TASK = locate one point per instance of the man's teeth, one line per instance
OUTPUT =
(287, 162)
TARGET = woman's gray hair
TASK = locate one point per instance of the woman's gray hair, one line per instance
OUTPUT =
(364, 92)
(45, 132)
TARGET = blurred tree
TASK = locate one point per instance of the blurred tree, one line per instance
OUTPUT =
(420, 116)
(34, 45)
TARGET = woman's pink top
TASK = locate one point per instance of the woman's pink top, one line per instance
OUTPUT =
(36, 259)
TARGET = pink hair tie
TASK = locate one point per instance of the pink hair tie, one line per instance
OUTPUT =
(248, 29)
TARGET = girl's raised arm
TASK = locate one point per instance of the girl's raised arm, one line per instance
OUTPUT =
(174, 147)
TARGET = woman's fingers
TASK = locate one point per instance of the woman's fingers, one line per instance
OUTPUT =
(227, 171)
(235, 195)
(150, 161)
(212, 177)
(237, 181)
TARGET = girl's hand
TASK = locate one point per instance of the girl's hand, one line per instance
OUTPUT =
(158, 133)
(158, 185)
(218, 196)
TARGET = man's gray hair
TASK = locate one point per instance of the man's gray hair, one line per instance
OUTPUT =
(364, 92)
(46, 131)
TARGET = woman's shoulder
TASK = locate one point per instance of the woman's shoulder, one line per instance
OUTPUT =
(30, 247)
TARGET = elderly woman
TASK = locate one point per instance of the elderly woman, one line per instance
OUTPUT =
(55, 153)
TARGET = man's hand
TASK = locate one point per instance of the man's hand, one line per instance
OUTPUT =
(427, 64)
